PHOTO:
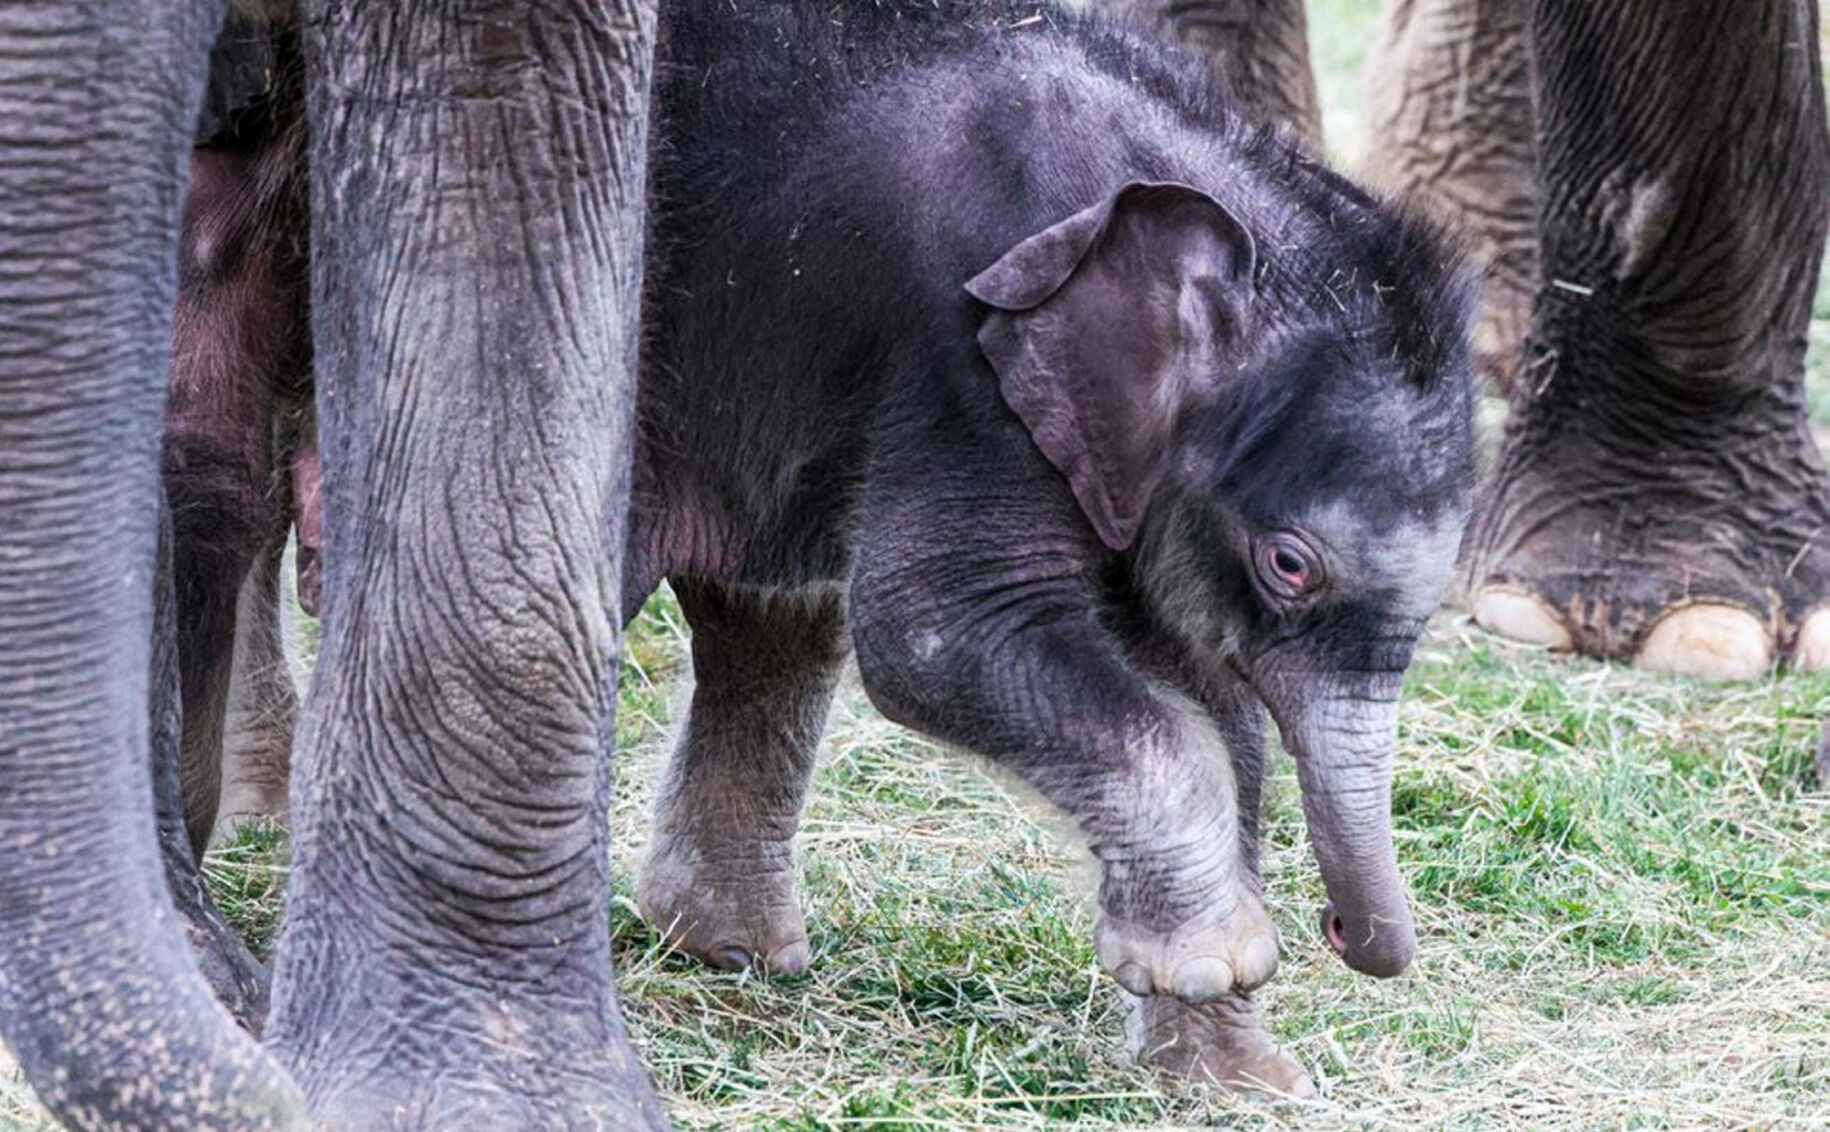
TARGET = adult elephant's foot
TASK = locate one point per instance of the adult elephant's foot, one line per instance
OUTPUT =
(257, 758)
(560, 1097)
(734, 908)
(1203, 962)
(1685, 533)
(487, 1061)
(388, 1105)
(263, 704)
(254, 785)
(1658, 497)
(1221, 1043)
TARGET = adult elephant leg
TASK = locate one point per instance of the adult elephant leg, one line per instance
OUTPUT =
(225, 556)
(1451, 126)
(719, 875)
(100, 998)
(1658, 495)
(1258, 48)
(478, 174)
(206, 639)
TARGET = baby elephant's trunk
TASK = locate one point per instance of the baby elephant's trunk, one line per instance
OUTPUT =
(1345, 744)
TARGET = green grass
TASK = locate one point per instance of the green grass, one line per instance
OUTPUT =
(1622, 883)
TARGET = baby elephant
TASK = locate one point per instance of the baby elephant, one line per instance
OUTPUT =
(240, 456)
(990, 343)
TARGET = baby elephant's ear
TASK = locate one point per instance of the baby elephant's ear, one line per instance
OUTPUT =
(1105, 325)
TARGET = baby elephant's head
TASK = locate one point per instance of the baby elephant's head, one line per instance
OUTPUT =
(1280, 446)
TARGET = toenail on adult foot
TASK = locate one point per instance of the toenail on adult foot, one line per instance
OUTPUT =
(731, 959)
(1812, 652)
(1708, 640)
(1521, 616)
(1202, 979)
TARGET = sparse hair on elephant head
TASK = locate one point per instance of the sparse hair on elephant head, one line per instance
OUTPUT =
(1281, 450)
(1122, 333)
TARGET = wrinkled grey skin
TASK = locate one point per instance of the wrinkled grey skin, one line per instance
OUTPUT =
(1646, 183)
(1450, 124)
(445, 956)
(1658, 495)
(1017, 347)
(93, 965)
(479, 168)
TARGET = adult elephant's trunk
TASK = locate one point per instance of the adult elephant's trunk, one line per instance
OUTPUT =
(1345, 743)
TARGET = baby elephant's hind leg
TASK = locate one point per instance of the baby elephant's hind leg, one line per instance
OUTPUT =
(263, 704)
(1221, 1042)
(719, 876)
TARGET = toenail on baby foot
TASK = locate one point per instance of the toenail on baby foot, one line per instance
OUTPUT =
(1134, 978)
(1202, 979)
(790, 960)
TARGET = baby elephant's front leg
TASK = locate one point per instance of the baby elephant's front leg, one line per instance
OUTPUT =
(1180, 912)
(1144, 776)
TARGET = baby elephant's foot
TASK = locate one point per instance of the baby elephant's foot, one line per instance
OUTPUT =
(1196, 962)
(1221, 1043)
(735, 914)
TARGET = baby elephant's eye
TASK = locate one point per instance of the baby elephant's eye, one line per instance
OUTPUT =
(1288, 567)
